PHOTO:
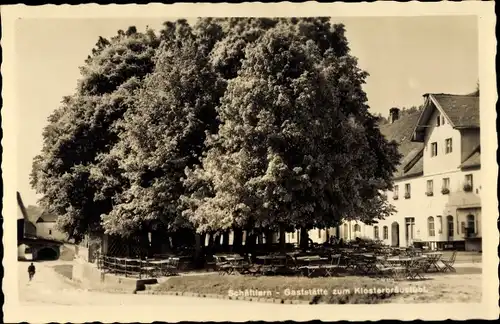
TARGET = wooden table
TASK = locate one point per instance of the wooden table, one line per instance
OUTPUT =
(410, 265)
(309, 267)
(271, 262)
(364, 262)
(432, 260)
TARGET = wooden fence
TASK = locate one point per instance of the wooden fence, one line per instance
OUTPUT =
(138, 268)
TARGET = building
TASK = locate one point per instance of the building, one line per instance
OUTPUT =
(437, 192)
(30, 245)
(45, 223)
(46, 227)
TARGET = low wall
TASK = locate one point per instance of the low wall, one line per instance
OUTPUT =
(89, 276)
(82, 252)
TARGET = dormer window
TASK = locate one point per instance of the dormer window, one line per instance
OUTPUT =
(442, 120)
(438, 121)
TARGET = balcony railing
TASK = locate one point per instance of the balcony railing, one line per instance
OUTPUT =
(429, 193)
(467, 187)
(407, 195)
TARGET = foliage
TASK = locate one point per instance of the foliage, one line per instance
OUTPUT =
(84, 129)
(296, 144)
(246, 122)
(165, 132)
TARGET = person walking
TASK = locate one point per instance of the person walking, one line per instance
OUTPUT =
(31, 271)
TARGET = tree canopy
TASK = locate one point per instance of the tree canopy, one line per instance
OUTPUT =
(240, 122)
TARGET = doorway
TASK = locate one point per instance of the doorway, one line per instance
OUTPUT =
(410, 230)
(450, 227)
(395, 234)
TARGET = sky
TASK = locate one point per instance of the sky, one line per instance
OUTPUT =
(405, 57)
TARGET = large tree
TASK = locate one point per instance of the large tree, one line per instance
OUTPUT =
(165, 131)
(297, 146)
(84, 129)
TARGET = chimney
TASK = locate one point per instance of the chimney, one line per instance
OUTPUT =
(393, 114)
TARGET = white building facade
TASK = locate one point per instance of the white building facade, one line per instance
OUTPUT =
(437, 192)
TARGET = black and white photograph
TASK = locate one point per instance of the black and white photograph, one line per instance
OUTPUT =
(274, 163)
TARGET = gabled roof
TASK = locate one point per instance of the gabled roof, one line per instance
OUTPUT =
(46, 218)
(33, 213)
(462, 111)
(401, 132)
(21, 211)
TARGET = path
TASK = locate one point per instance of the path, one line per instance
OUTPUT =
(50, 288)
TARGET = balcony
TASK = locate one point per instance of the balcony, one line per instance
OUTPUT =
(429, 193)
(395, 197)
(407, 195)
(445, 191)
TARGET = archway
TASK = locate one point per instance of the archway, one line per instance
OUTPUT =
(47, 253)
(395, 234)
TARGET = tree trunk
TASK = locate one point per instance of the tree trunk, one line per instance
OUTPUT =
(210, 245)
(250, 241)
(304, 238)
(197, 251)
(282, 237)
(225, 241)
(216, 245)
(269, 239)
(237, 239)
(203, 240)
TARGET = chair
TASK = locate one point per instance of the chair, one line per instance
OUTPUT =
(448, 264)
(222, 266)
(387, 270)
(172, 267)
(332, 268)
(416, 268)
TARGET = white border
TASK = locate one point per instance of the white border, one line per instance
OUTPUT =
(487, 44)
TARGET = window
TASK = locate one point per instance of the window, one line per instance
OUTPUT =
(407, 190)
(430, 226)
(438, 121)
(471, 224)
(357, 228)
(50, 232)
(439, 220)
(449, 221)
(430, 187)
(449, 145)
(442, 120)
(434, 149)
(386, 233)
(293, 235)
(446, 183)
(468, 182)
(346, 231)
(319, 233)
(375, 232)
(396, 192)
